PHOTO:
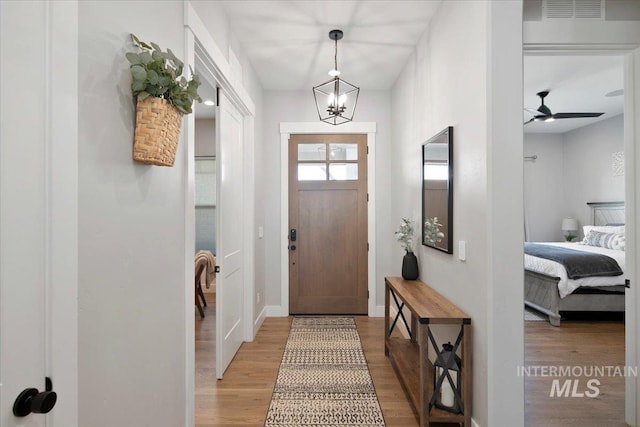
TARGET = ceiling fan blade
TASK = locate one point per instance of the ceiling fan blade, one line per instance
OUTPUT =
(528, 121)
(544, 114)
(575, 115)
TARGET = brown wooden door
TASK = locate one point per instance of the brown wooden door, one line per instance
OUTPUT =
(328, 210)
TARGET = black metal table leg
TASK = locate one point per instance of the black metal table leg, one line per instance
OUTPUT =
(400, 314)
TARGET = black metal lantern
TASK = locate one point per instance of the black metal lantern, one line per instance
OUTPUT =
(336, 99)
(447, 381)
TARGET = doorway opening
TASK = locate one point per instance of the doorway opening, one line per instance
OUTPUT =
(571, 171)
(205, 173)
(205, 205)
(234, 236)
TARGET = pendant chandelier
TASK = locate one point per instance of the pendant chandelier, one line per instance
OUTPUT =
(336, 99)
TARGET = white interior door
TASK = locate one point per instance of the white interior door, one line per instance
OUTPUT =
(23, 225)
(38, 207)
(22, 209)
(230, 250)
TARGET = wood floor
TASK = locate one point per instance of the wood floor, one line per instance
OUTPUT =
(575, 344)
(243, 397)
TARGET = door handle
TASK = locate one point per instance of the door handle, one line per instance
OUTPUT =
(293, 234)
(31, 400)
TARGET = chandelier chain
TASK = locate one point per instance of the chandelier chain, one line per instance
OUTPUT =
(335, 56)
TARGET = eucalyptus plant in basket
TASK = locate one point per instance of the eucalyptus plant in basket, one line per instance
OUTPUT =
(163, 95)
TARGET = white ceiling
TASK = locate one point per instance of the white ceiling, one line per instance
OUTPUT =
(288, 46)
(288, 42)
(576, 84)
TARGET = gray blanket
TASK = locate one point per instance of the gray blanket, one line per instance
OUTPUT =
(577, 263)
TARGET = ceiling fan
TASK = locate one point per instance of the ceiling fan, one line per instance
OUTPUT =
(544, 114)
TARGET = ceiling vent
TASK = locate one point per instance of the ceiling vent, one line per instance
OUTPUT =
(573, 9)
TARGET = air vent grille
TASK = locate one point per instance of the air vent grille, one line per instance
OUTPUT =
(573, 9)
(562, 9)
(589, 9)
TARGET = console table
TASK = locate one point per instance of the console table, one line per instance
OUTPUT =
(410, 357)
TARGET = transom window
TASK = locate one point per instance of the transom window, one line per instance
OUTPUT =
(327, 162)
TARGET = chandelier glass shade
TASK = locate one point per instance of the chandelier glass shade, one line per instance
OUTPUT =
(336, 99)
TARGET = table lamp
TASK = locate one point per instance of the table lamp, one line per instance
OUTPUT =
(569, 225)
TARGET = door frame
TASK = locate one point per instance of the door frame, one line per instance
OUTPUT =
(631, 56)
(288, 128)
(199, 43)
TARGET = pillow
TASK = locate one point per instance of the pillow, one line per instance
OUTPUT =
(605, 240)
(617, 229)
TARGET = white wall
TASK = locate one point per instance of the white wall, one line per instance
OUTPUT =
(131, 225)
(452, 80)
(588, 174)
(205, 137)
(299, 106)
(217, 23)
(572, 169)
(544, 186)
(444, 84)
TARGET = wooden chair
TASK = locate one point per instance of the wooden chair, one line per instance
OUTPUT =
(198, 284)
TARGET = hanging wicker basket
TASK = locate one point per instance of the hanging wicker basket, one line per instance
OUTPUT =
(157, 132)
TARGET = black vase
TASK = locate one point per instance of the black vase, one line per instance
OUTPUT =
(409, 266)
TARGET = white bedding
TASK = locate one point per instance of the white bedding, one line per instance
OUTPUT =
(566, 285)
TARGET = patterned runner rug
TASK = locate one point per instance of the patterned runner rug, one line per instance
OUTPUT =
(324, 379)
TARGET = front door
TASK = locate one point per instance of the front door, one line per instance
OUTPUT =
(229, 247)
(328, 224)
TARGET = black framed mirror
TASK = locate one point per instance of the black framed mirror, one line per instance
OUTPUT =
(437, 191)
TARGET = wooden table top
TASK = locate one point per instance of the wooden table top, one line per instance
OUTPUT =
(428, 305)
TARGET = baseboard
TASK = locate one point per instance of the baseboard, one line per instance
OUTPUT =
(275, 311)
(379, 311)
(259, 320)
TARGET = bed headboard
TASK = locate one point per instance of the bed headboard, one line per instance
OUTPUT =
(607, 213)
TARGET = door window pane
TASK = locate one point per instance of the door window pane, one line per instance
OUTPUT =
(312, 151)
(343, 152)
(343, 171)
(312, 172)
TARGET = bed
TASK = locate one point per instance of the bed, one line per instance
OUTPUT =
(548, 288)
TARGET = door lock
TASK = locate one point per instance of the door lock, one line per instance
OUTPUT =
(31, 400)
(293, 235)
